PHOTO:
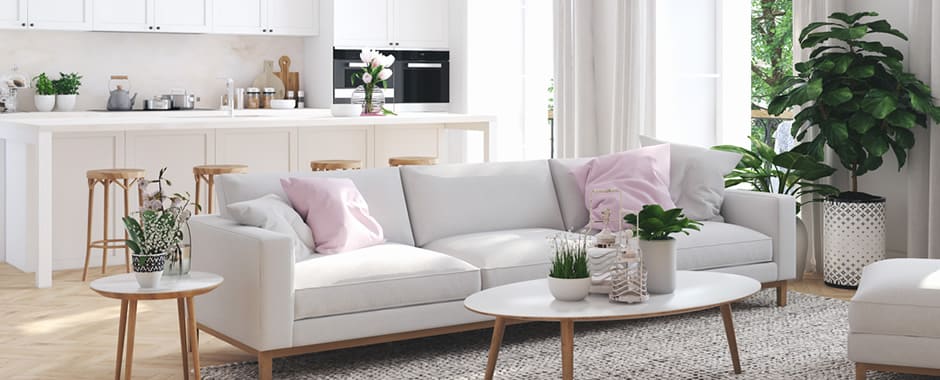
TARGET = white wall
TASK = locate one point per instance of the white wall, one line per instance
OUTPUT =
(154, 62)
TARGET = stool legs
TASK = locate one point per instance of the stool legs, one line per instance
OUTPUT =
(210, 189)
(104, 246)
(198, 192)
(91, 203)
(127, 251)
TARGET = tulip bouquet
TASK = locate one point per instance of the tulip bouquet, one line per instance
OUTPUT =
(375, 72)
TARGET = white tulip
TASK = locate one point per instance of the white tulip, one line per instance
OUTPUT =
(367, 78)
(387, 60)
(385, 74)
(377, 60)
(367, 55)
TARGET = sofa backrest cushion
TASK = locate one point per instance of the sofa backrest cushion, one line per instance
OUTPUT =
(450, 200)
(381, 188)
(570, 195)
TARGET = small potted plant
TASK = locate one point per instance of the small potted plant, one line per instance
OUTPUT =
(654, 226)
(66, 90)
(375, 72)
(45, 93)
(569, 279)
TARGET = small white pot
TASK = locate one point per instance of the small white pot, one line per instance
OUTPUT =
(569, 289)
(149, 280)
(659, 257)
(44, 103)
(65, 103)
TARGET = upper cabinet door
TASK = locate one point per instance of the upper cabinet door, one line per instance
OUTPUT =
(182, 16)
(13, 14)
(59, 14)
(239, 16)
(122, 15)
(294, 17)
(420, 24)
(361, 24)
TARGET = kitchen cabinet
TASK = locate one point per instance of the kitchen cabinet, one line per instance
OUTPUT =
(267, 17)
(262, 149)
(12, 14)
(335, 143)
(170, 16)
(148, 150)
(407, 140)
(391, 24)
(46, 14)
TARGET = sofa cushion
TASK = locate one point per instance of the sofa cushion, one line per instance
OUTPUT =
(451, 200)
(570, 195)
(379, 277)
(337, 214)
(503, 256)
(380, 187)
(720, 245)
(898, 297)
(273, 213)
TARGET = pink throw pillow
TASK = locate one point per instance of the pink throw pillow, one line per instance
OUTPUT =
(641, 175)
(336, 212)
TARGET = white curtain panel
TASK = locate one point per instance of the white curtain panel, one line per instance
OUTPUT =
(923, 165)
(604, 81)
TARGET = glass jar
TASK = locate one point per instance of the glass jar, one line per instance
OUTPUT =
(178, 261)
(266, 97)
(371, 103)
(253, 98)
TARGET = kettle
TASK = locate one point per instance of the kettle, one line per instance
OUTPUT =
(120, 99)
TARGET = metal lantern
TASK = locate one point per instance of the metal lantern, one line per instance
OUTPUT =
(628, 277)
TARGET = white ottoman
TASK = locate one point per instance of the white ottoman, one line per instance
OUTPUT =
(894, 318)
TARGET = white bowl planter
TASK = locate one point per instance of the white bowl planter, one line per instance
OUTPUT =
(659, 257)
(65, 103)
(44, 103)
(569, 289)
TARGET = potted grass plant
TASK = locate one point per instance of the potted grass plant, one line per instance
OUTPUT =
(569, 279)
(45, 93)
(654, 226)
(66, 90)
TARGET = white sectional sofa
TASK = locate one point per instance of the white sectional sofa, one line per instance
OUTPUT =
(451, 230)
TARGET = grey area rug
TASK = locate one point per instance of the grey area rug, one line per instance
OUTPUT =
(804, 340)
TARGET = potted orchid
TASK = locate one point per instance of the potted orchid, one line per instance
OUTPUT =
(375, 71)
(156, 234)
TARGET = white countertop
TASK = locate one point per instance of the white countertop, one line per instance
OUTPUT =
(95, 121)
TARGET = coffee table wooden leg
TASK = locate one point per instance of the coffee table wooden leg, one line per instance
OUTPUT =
(498, 327)
(122, 328)
(131, 327)
(184, 348)
(729, 332)
(567, 349)
(193, 340)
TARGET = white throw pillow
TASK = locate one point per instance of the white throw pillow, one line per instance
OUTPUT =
(273, 213)
(697, 178)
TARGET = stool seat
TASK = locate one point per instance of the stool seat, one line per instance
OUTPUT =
(328, 165)
(113, 174)
(219, 169)
(412, 160)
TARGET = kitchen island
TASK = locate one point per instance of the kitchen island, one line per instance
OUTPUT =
(46, 156)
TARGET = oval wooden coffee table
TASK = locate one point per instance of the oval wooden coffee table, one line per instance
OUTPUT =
(531, 301)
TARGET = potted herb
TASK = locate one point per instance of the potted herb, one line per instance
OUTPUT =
(654, 225)
(855, 93)
(789, 173)
(375, 72)
(155, 236)
(45, 93)
(568, 279)
(66, 89)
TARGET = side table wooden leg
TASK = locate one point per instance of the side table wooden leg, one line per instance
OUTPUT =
(131, 327)
(193, 341)
(729, 332)
(498, 327)
(122, 328)
(567, 349)
(184, 348)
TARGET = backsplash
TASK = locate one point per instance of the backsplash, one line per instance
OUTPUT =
(155, 63)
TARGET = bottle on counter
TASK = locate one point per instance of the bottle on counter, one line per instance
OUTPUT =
(239, 98)
(267, 96)
(300, 99)
(253, 98)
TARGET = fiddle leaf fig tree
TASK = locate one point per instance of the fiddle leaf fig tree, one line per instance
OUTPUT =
(855, 91)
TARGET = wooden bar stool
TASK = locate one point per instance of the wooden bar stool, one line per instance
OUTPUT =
(125, 179)
(329, 165)
(207, 173)
(415, 160)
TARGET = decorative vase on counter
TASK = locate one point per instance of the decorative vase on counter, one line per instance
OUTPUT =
(659, 257)
(148, 269)
(44, 103)
(372, 102)
(65, 103)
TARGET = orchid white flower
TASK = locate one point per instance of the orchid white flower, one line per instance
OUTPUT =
(366, 78)
(385, 74)
(387, 60)
(367, 55)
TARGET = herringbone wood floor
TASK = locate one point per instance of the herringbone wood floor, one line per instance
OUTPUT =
(70, 332)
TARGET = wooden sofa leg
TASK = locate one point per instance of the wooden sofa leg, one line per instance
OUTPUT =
(861, 373)
(265, 366)
(782, 294)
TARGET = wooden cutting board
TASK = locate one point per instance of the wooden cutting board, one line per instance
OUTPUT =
(291, 79)
(268, 79)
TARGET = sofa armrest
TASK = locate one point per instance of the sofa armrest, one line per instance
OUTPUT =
(771, 214)
(255, 303)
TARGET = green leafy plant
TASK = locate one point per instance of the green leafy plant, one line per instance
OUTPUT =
(67, 84)
(657, 224)
(43, 85)
(856, 92)
(771, 48)
(158, 228)
(570, 260)
(789, 173)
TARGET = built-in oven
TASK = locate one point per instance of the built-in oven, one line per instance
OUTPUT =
(346, 63)
(420, 79)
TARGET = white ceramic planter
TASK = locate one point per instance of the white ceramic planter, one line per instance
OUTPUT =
(44, 103)
(659, 257)
(65, 103)
(148, 280)
(569, 289)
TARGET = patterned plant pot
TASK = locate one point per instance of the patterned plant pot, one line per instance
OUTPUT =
(853, 237)
(148, 269)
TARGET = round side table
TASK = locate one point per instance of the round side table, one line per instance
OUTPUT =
(182, 288)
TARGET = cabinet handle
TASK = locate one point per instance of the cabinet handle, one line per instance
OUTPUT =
(391, 43)
(24, 24)
(264, 30)
(158, 28)
(396, 44)
(31, 25)
(270, 30)
(150, 27)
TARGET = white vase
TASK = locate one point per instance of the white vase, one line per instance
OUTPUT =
(802, 246)
(569, 289)
(44, 103)
(149, 280)
(659, 257)
(65, 103)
